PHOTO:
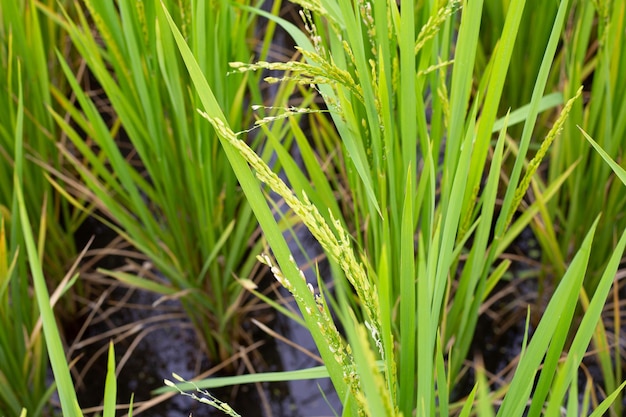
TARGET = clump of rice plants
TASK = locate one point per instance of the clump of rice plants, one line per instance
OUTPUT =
(595, 58)
(27, 141)
(27, 41)
(413, 196)
(174, 197)
(30, 340)
(592, 56)
(417, 280)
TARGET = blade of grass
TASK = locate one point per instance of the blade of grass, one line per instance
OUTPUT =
(317, 372)
(619, 171)
(408, 305)
(519, 115)
(110, 385)
(67, 394)
(608, 401)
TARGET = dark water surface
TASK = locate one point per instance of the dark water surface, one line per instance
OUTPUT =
(163, 342)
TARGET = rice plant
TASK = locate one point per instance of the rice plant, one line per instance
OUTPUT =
(174, 197)
(26, 47)
(30, 339)
(591, 188)
(593, 56)
(413, 184)
(417, 279)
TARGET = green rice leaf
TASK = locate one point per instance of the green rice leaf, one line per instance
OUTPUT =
(317, 372)
(67, 393)
(617, 169)
(139, 282)
(110, 386)
(519, 115)
(409, 347)
(608, 401)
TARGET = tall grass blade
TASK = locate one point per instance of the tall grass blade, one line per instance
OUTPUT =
(619, 171)
(408, 305)
(608, 401)
(65, 386)
(110, 385)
